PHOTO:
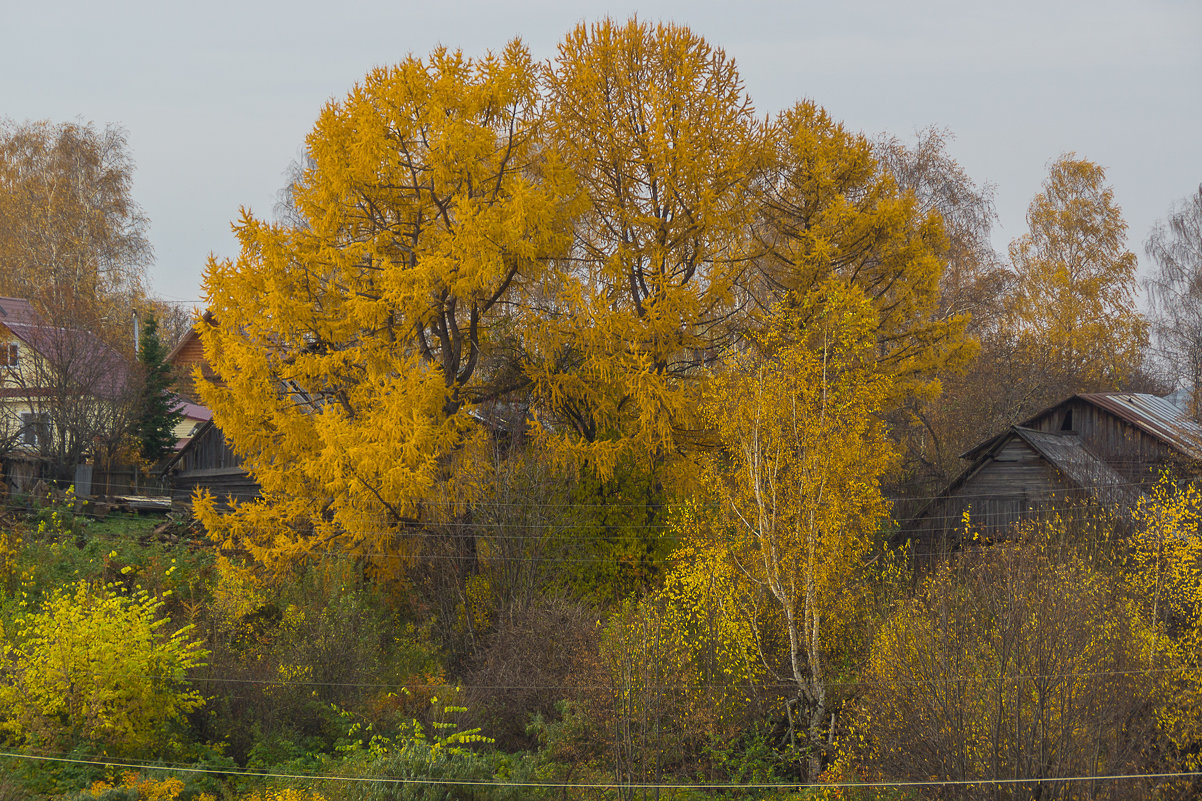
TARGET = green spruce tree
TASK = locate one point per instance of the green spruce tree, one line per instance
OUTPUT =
(154, 421)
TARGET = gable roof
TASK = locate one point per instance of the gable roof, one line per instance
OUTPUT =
(98, 368)
(1072, 459)
(190, 336)
(1154, 415)
(17, 311)
(1064, 451)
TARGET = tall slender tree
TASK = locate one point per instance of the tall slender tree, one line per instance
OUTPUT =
(1175, 289)
(72, 233)
(1074, 314)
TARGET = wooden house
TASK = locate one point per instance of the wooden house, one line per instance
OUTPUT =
(1091, 455)
(187, 356)
(202, 459)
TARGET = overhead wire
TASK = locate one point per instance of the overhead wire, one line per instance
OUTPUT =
(632, 785)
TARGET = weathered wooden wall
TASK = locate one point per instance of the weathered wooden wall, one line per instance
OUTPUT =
(208, 463)
(1131, 452)
(1015, 484)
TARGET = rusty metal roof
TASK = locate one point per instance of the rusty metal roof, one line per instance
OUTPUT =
(1155, 415)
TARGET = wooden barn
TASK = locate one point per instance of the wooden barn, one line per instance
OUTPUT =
(207, 462)
(1090, 454)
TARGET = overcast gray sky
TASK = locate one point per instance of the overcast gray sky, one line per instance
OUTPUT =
(217, 96)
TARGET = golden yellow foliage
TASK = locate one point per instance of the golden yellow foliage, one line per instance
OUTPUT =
(654, 124)
(598, 234)
(72, 230)
(805, 451)
(284, 794)
(829, 210)
(1075, 311)
(1165, 574)
(1017, 660)
(682, 664)
(96, 664)
(146, 789)
(351, 345)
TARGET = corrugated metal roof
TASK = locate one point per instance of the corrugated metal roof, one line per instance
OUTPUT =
(1155, 415)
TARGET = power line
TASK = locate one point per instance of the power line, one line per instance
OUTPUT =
(941, 680)
(425, 780)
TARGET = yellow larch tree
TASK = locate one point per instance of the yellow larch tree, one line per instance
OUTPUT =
(827, 208)
(353, 343)
(1075, 313)
(656, 127)
(805, 449)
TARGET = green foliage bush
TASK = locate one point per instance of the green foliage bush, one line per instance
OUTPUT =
(410, 763)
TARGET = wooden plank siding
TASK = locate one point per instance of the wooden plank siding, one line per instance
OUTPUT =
(1088, 459)
(208, 463)
(1014, 484)
(1133, 453)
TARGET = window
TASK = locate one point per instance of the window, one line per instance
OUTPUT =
(9, 355)
(35, 430)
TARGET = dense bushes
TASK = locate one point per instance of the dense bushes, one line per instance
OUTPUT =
(1060, 653)
(1022, 660)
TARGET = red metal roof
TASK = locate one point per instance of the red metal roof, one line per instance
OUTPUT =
(18, 311)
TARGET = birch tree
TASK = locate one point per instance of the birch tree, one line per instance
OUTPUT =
(804, 453)
(1074, 312)
(1175, 289)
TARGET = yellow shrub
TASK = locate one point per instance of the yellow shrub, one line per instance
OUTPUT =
(95, 664)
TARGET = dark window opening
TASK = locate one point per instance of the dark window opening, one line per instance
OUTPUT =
(1067, 425)
(35, 430)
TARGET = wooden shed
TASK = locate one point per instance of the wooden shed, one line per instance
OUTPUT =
(207, 462)
(1090, 455)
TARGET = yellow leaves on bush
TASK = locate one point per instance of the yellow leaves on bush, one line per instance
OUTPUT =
(284, 794)
(1166, 557)
(95, 664)
(1020, 659)
(1165, 575)
(10, 550)
(145, 789)
(169, 789)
